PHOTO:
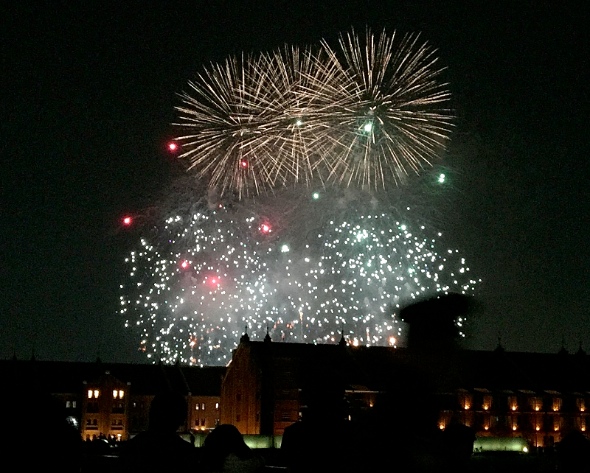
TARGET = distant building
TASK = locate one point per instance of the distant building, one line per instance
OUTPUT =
(538, 397)
(111, 400)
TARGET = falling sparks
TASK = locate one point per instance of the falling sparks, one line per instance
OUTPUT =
(202, 278)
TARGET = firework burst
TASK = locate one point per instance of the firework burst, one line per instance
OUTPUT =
(366, 114)
(327, 242)
(339, 262)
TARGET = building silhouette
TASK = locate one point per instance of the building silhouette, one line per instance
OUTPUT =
(111, 400)
(539, 397)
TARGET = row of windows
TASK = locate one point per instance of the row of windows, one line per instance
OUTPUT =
(94, 422)
(201, 406)
(535, 403)
(95, 393)
(515, 422)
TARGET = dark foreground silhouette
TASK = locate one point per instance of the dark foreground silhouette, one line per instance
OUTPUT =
(160, 448)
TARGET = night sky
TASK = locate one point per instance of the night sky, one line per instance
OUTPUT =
(89, 90)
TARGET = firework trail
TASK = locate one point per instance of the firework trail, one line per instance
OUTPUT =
(366, 114)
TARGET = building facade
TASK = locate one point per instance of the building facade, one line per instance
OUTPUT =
(110, 400)
(534, 396)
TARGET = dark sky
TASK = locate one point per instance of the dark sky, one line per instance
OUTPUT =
(88, 95)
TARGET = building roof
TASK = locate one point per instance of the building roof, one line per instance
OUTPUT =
(378, 368)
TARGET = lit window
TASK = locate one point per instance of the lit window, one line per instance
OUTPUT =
(197, 406)
(556, 404)
(203, 406)
(96, 393)
(512, 403)
(580, 402)
(121, 394)
(90, 394)
(465, 400)
(68, 404)
(216, 406)
(536, 403)
(115, 393)
(73, 404)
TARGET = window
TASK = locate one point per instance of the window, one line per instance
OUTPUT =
(512, 403)
(118, 393)
(216, 406)
(486, 402)
(556, 404)
(117, 424)
(68, 404)
(536, 404)
(580, 402)
(202, 406)
(91, 424)
(465, 400)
